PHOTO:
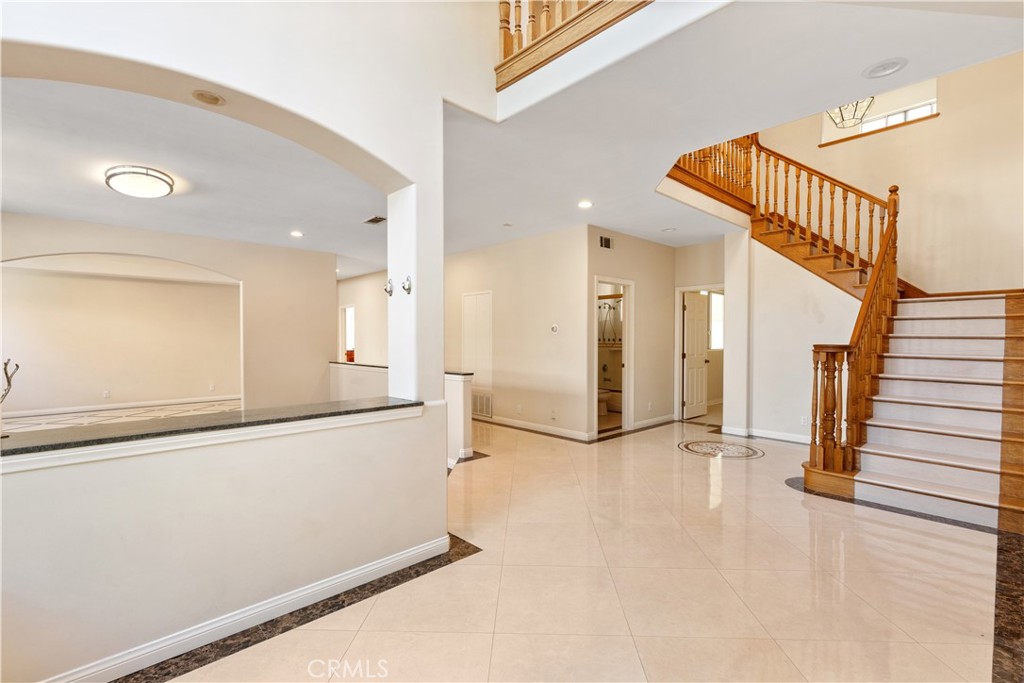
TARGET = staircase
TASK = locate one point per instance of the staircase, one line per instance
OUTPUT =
(924, 408)
(941, 419)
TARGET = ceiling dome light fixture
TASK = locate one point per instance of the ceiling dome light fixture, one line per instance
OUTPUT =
(585, 204)
(886, 67)
(296, 233)
(850, 115)
(139, 181)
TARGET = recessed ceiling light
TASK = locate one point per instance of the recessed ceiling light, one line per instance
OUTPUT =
(886, 67)
(296, 233)
(585, 204)
(668, 229)
(210, 98)
(139, 181)
(506, 225)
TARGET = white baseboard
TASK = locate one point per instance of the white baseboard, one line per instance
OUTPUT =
(120, 406)
(463, 454)
(651, 422)
(716, 402)
(175, 644)
(780, 436)
(735, 431)
(543, 428)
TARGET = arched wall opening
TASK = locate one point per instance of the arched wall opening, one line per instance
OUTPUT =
(105, 331)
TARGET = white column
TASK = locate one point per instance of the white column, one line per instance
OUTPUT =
(416, 319)
(736, 358)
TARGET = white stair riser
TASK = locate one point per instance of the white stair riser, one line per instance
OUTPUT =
(951, 347)
(951, 307)
(950, 326)
(930, 472)
(964, 512)
(948, 391)
(936, 443)
(931, 367)
(973, 419)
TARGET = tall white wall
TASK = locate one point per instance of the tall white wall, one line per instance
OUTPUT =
(366, 294)
(791, 309)
(77, 336)
(289, 297)
(651, 267)
(961, 218)
(701, 264)
(539, 377)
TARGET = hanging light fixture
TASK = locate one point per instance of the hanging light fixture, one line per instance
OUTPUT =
(850, 115)
(139, 181)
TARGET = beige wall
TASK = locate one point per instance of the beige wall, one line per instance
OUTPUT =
(960, 177)
(289, 296)
(366, 294)
(651, 267)
(78, 336)
(700, 264)
(539, 377)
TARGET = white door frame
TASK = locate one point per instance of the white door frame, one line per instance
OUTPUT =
(677, 381)
(628, 344)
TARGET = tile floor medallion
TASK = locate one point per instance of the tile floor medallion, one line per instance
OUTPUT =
(627, 560)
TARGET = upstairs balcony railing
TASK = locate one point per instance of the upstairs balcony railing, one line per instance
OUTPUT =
(535, 32)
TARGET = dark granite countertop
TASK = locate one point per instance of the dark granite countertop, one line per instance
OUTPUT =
(96, 434)
(384, 367)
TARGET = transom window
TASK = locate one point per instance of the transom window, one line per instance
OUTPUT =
(897, 117)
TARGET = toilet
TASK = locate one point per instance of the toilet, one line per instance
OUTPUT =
(602, 401)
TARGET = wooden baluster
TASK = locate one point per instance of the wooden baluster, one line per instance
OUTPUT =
(532, 9)
(775, 192)
(785, 197)
(871, 232)
(546, 18)
(748, 191)
(807, 225)
(814, 414)
(846, 195)
(796, 207)
(840, 396)
(757, 181)
(856, 233)
(828, 442)
(821, 206)
(504, 32)
(580, 4)
(831, 218)
(518, 36)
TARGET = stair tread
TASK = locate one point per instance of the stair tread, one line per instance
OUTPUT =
(949, 356)
(994, 337)
(850, 269)
(950, 380)
(941, 459)
(800, 243)
(943, 430)
(821, 256)
(959, 493)
(955, 316)
(940, 403)
(777, 231)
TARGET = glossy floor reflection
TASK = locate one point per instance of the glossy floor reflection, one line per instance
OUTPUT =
(630, 560)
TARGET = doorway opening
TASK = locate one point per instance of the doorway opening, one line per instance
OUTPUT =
(613, 385)
(700, 350)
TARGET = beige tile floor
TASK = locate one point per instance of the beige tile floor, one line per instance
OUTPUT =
(629, 560)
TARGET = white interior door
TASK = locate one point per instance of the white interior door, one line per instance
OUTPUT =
(695, 354)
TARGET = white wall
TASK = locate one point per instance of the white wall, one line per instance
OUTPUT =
(701, 264)
(183, 538)
(651, 267)
(77, 336)
(366, 294)
(289, 297)
(538, 377)
(791, 310)
(961, 218)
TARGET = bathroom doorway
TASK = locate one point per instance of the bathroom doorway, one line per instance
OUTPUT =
(613, 403)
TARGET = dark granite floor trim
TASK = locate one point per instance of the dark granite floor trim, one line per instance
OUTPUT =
(609, 437)
(477, 455)
(207, 654)
(798, 484)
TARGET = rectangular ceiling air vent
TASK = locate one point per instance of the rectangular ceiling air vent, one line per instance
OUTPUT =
(605, 242)
(375, 220)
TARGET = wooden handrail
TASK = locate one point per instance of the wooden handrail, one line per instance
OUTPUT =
(888, 241)
(552, 28)
(829, 179)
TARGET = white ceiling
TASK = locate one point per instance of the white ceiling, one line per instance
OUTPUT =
(611, 138)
